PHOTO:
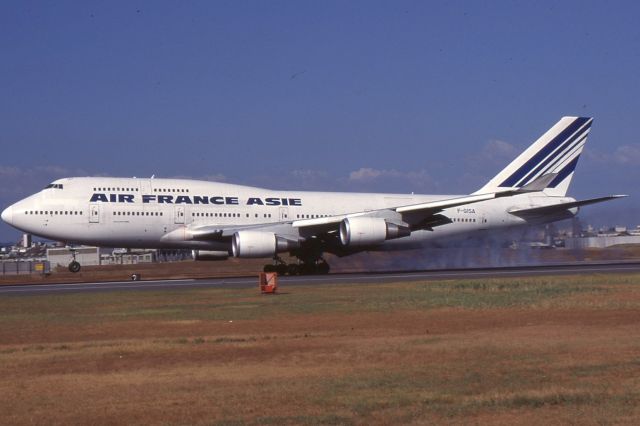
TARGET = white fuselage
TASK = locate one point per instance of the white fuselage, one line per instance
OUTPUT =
(151, 213)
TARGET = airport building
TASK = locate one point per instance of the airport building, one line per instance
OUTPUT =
(87, 256)
(62, 256)
(603, 238)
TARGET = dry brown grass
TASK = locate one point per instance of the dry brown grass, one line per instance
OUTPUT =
(570, 354)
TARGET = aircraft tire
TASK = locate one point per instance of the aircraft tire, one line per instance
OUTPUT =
(74, 267)
(307, 269)
(293, 269)
(281, 269)
(323, 268)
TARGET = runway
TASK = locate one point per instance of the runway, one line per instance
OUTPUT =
(332, 279)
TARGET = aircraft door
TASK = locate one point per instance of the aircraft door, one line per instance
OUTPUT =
(145, 186)
(284, 214)
(94, 213)
(179, 214)
(484, 221)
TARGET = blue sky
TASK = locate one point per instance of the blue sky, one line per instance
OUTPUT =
(430, 97)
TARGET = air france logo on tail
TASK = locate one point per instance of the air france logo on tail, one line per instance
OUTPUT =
(559, 155)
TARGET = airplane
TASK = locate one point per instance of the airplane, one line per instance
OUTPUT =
(218, 220)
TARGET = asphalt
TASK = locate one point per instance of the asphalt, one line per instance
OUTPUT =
(331, 279)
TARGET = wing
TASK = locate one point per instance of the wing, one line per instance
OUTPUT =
(424, 215)
(415, 216)
(409, 215)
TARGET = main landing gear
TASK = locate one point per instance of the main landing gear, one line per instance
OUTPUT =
(305, 267)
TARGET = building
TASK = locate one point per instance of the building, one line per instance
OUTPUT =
(87, 256)
(62, 256)
(604, 238)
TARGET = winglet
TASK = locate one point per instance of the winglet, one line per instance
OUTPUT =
(539, 184)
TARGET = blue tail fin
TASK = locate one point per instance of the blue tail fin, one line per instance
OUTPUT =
(557, 152)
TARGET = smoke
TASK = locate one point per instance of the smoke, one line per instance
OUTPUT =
(510, 248)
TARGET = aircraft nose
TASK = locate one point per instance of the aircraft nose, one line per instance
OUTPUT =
(7, 215)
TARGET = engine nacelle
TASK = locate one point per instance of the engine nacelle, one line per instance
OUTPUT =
(368, 231)
(259, 244)
(209, 255)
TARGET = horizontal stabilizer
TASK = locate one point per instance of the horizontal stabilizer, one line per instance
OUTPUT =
(558, 208)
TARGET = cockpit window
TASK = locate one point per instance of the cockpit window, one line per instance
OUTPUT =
(54, 185)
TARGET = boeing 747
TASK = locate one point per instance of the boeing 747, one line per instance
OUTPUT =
(218, 220)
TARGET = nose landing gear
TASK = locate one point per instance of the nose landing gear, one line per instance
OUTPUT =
(74, 266)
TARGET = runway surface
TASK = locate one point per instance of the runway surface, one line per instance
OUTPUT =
(332, 279)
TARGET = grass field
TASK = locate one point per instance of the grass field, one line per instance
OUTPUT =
(505, 351)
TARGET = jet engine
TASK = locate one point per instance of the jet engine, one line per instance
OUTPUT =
(368, 231)
(209, 255)
(259, 244)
